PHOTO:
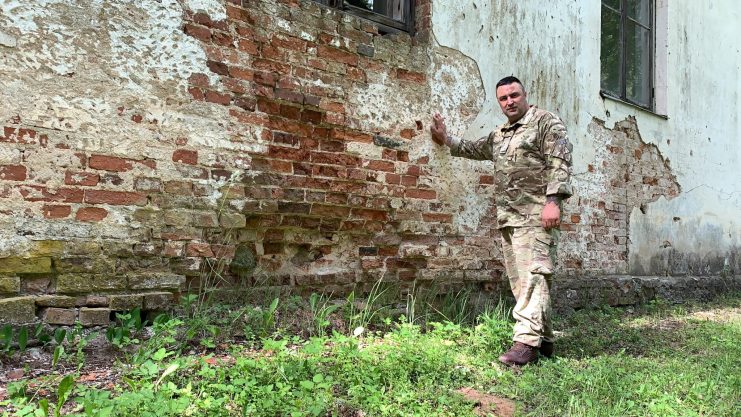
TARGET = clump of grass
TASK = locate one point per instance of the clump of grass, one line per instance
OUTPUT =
(670, 361)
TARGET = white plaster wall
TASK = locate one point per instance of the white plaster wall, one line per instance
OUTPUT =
(555, 50)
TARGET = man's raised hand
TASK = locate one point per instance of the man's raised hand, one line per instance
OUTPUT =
(438, 129)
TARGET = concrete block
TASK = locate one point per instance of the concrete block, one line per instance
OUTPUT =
(95, 316)
(17, 310)
(60, 316)
(17, 265)
(125, 302)
(151, 281)
(158, 300)
(85, 283)
(10, 285)
(61, 301)
(232, 220)
(95, 301)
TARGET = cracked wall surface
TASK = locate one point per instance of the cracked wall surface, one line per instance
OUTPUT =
(142, 142)
(655, 195)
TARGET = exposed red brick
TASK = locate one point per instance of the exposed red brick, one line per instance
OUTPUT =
(311, 116)
(218, 98)
(329, 171)
(185, 156)
(356, 74)
(437, 217)
(199, 250)
(218, 67)
(272, 248)
(196, 93)
(198, 32)
(290, 112)
(334, 159)
(248, 46)
(292, 154)
(486, 180)
(338, 55)
(109, 163)
(413, 76)
(368, 214)
(91, 214)
(378, 165)
(408, 181)
(115, 197)
(246, 103)
(173, 249)
(222, 39)
(334, 119)
(650, 181)
(393, 179)
(332, 106)
(371, 263)
(421, 193)
(388, 251)
(55, 211)
(289, 95)
(13, 172)
(271, 66)
(60, 195)
(289, 42)
(330, 211)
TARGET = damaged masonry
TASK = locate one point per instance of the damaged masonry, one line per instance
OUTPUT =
(288, 142)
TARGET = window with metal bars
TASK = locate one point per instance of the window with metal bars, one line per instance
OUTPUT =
(627, 45)
(390, 15)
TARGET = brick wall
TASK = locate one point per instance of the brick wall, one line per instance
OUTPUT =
(278, 142)
(300, 191)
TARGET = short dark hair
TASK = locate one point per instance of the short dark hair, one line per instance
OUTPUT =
(509, 80)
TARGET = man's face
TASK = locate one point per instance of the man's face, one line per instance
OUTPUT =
(513, 101)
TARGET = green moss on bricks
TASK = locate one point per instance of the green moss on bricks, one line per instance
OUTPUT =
(85, 283)
(100, 264)
(155, 281)
(47, 248)
(17, 265)
(56, 301)
(17, 310)
(125, 302)
(10, 285)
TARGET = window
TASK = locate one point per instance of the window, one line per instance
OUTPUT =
(391, 15)
(627, 57)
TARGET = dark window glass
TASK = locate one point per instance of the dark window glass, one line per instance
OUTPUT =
(391, 15)
(637, 64)
(626, 57)
(610, 47)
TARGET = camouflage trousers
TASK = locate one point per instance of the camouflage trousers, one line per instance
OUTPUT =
(529, 258)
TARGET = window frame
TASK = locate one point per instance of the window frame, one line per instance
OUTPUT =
(385, 23)
(622, 94)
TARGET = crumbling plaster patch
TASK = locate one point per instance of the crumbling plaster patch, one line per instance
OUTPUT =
(81, 72)
(454, 87)
(627, 175)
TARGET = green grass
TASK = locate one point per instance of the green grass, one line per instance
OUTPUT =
(656, 360)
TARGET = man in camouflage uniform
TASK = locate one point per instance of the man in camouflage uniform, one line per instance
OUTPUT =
(532, 159)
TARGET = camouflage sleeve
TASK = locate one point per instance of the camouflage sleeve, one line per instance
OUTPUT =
(557, 154)
(480, 149)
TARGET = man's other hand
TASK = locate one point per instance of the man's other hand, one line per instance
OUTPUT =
(438, 130)
(551, 216)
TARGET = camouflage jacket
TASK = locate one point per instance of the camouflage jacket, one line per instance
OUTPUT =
(532, 159)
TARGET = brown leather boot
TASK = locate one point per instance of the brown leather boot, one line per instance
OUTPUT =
(520, 354)
(546, 349)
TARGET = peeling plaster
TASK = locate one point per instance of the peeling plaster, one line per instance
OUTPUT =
(77, 72)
